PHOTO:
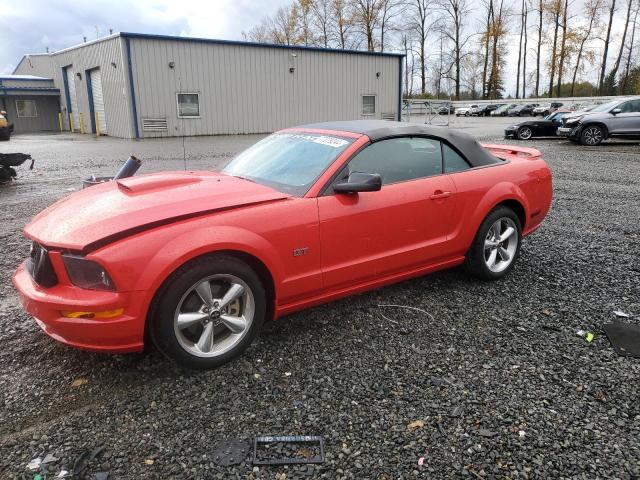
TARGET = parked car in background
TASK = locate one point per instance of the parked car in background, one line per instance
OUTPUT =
(615, 119)
(5, 127)
(467, 111)
(522, 110)
(485, 110)
(545, 127)
(502, 110)
(545, 109)
(185, 259)
(444, 110)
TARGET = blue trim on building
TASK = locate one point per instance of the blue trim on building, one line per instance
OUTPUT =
(31, 89)
(65, 81)
(87, 76)
(400, 89)
(131, 88)
(15, 78)
(149, 36)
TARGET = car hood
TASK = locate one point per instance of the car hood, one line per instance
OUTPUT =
(102, 213)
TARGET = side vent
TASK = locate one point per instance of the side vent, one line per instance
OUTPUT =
(154, 124)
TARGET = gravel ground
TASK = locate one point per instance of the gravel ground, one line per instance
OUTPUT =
(491, 382)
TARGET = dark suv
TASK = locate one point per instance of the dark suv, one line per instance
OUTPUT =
(615, 119)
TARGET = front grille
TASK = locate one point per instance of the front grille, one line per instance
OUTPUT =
(40, 267)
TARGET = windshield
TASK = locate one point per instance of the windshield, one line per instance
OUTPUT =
(605, 107)
(288, 162)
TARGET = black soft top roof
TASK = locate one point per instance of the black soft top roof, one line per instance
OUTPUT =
(381, 129)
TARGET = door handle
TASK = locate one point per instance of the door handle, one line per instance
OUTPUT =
(438, 194)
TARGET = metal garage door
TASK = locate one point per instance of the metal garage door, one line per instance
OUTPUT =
(98, 102)
(73, 100)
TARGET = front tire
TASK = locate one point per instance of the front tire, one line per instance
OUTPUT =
(525, 133)
(592, 135)
(496, 245)
(208, 312)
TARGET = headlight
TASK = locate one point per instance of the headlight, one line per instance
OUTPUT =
(87, 274)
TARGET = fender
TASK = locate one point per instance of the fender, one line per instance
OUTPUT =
(501, 192)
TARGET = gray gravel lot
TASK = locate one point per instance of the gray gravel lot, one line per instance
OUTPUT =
(502, 383)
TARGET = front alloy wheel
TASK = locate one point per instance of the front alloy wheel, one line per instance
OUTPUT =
(524, 133)
(592, 136)
(208, 311)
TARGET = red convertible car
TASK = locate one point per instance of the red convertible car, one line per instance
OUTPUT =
(196, 261)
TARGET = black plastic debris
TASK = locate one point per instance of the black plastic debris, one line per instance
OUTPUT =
(288, 450)
(84, 459)
(624, 338)
(128, 169)
(231, 452)
(10, 160)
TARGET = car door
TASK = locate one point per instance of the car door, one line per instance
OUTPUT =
(403, 225)
(627, 122)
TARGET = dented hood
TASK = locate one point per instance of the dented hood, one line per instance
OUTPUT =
(102, 213)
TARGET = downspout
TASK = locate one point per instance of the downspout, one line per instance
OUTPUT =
(132, 92)
(400, 60)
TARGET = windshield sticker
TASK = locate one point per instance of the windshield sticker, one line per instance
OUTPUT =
(333, 142)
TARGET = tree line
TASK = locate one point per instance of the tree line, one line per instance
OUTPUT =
(460, 49)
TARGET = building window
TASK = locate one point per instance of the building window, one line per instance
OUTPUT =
(188, 105)
(26, 108)
(368, 104)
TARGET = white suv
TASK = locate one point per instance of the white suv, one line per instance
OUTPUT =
(467, 111)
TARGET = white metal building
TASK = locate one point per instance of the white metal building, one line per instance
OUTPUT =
(133, 85)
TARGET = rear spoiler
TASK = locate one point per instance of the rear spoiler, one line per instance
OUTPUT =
(512, 150)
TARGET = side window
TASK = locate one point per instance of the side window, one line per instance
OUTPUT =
(400, 159)
(632, 106)
(453, 161)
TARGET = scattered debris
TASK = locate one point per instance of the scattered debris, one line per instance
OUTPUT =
(588, 336)
(620, 313)
(421, 461)
(457, 411)
(231, 452)
(389, 305)
(415, 425)
(521, 433)
(34, 464)
(79, 382)
(149, 461)
(624, 338)
(483, 432)
(287, 450)
(49, 459)
(84, 459)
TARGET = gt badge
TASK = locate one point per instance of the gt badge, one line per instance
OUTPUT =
(297, 252)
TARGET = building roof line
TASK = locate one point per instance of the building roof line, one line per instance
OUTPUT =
(254, 44)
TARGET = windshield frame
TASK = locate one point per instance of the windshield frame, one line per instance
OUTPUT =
(606, 107)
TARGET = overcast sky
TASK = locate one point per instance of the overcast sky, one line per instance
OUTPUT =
(30, 26)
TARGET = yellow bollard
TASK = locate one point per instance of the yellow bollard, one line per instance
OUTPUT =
(97, 125)
(81, 123)
(60, 121)
(71, 122)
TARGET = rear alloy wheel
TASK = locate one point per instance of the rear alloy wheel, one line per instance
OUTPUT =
(525, 133)
(209, 312)
(592, 135)
(496, 245)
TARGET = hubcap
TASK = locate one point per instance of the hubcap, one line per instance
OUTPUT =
(214, 315)
(592, 136)
(525, 133)
(500, 245)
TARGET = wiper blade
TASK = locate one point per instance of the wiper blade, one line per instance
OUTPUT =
(244, 178)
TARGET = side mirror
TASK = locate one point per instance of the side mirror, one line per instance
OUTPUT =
(359, 182)
(616, 111)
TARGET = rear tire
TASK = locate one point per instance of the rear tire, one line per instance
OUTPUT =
(196, 324)
(524, 133)
(496, 245)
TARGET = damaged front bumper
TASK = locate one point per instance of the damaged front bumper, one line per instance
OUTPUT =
(51, 308)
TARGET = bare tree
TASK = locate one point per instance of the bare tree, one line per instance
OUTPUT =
(419, 12)
(455, 13)
(616, 66)
(555, 11)
(522, 28)
(367, 18)
(593, 10)
(603, 67)
(486, 37)
(563, 47)
(389, 11)
(498, 33)
(322, 20)
(524, 53)
(342, 19)
(540, 11)
(625, 78)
